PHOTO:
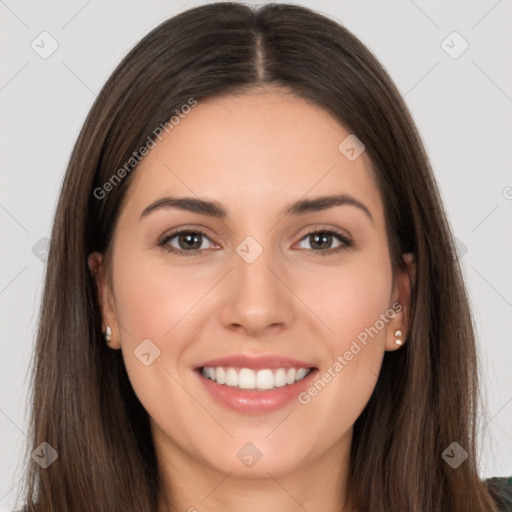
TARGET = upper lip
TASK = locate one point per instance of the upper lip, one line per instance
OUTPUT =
(255, 362)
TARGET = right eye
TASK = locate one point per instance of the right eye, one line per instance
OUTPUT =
(189, 242)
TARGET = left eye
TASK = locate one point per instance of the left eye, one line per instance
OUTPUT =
(322, 238)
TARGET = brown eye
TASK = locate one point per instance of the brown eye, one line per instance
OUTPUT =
(189, 243)
(321, 241)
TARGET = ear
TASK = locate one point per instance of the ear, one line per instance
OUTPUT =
(105, 297)
(402, 288)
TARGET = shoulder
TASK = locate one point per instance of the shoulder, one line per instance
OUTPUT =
(500, 489)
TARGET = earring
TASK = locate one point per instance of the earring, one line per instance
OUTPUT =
(397, 334)
(108, 334)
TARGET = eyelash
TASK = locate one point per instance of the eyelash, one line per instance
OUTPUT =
(345, 242)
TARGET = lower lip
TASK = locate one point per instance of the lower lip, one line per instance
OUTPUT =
(255, 401)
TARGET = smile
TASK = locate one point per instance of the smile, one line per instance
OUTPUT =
(262, 380)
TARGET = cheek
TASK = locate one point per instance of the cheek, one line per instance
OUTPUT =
(353, 302)
(151, 298)
(152, 304)
(359, 301)
(348, 298)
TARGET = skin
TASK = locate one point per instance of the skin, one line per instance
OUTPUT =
(290, 301)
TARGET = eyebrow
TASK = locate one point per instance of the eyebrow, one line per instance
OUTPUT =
(213, 209)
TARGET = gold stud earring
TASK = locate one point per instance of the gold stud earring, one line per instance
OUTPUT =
(108, 334)
(397, 334)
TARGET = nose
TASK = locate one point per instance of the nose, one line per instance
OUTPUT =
(257, 297)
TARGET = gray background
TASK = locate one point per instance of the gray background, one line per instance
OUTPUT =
(461, 105)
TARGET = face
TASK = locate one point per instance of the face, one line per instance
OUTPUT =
(265, 293)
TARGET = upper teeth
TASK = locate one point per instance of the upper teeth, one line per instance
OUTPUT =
(245, 378)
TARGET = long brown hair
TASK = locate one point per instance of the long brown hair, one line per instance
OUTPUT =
(426, 396)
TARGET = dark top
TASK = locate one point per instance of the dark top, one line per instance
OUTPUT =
(500, 489)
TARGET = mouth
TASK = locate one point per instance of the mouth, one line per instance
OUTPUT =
(247, 379)
(255, 391)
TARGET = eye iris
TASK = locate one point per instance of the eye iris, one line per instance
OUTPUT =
(189, 239)
(319, 238)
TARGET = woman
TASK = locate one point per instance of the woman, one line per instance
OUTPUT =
(252, 299)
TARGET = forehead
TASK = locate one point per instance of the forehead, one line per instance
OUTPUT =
(253, 150)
